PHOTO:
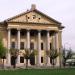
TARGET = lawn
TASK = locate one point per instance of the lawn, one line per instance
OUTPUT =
(38, 72)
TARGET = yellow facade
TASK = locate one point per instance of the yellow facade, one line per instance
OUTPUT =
(33, 21)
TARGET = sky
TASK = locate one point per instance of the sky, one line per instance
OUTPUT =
(61, 10)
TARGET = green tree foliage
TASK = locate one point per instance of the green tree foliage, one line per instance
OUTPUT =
(3, 51)
(67, 54)
(14, 53)
(34, 53)
(29, 54)
(53, 54)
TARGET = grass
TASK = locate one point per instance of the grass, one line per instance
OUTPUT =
(39, 72)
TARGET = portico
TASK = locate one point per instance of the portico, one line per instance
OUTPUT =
(31, 36)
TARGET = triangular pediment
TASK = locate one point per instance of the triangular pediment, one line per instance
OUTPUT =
(34, 16)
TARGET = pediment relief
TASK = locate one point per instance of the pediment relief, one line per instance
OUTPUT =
(33, 17)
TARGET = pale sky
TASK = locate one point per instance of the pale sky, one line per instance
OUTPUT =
(61, 10)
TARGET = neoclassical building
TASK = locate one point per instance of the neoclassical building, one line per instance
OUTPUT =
(32, 30)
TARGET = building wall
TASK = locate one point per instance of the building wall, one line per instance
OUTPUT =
(33, 21)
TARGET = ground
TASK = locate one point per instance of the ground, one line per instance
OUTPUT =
(70, 71)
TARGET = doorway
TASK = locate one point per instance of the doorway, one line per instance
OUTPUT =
(13, 60)
(32, 60)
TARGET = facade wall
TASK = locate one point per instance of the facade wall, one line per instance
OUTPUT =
(33, 39)
(37, 22)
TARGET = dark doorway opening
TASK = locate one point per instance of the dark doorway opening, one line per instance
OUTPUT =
(13, 60)
(32, 60)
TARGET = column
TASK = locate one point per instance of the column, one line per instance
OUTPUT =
(39, 48)
(28, 39)
(28, 43)
(60, 47)
(48, 47)
(18, 44)
(9, 44)
(57, 47)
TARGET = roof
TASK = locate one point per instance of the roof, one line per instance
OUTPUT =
(31, 10)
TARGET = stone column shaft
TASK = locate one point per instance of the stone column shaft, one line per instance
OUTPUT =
(28, 44)
(9, 33)
(48, 47)
(18, 36)
(28, 39)
(48, 41)
(39, 47)
(57, 47)
(18, 44)
(9, 45)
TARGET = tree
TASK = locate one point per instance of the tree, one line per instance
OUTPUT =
(14, 53)
(67, 54)
(3, 51)
(29, 54)
(34, 53)
(53, 54)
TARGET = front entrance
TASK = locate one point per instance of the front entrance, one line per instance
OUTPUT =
(13, 60)
(32, 60)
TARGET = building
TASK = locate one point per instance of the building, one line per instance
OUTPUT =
(32, 30)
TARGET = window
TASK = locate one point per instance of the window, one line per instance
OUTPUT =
(41, 59)
(22, 45)
(21, 59)
(34, 16)
(13, 32)
(22, 33)
(32, 33)
(41, 46)
(31, 46)
(12, 44)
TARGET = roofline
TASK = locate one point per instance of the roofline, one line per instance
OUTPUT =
(47, 16)
(17, 15)
(59, 26)
(31, 11)
(31, 23)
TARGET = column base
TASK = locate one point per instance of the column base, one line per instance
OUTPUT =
(29, 63)
(38, 65)
(8, 60)
(57, 62)
(7, 65)
(48, 64)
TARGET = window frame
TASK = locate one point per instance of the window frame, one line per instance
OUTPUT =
(42, 46)
(21, 45)
(13, 44)
(42, 59)
(21, 59)
(31, 45)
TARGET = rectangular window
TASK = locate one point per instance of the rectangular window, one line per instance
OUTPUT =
(41, 46)
(21, 59)
(13, 45)
(22, 33)
(31, 46)
(41, 59)
(22, 45)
